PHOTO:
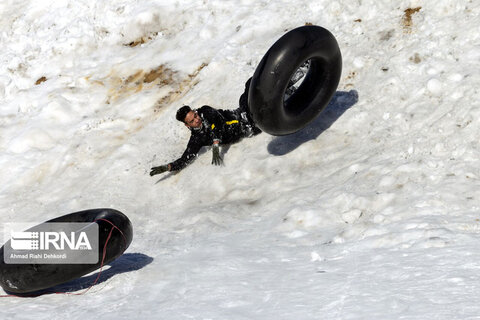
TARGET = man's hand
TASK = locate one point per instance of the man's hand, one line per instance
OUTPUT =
(216, 159)
(160, 169)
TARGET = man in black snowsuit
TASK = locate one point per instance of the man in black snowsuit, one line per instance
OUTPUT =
(212, 127)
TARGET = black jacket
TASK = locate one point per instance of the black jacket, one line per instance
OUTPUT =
(227, 126)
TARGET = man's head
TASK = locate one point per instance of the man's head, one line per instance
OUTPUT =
(190, 117)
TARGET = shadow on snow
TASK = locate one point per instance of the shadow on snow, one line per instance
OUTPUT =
(341, 102)
(125, 263)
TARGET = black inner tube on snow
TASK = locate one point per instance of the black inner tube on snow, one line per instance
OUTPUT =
(271, 110)
(26, 278)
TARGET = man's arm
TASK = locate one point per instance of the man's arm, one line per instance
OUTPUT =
(216, 121)
(193, 147)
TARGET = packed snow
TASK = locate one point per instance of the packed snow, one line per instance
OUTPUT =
(370, 212)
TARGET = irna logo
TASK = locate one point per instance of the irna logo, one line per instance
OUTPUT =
(46, 240)
(51, 243)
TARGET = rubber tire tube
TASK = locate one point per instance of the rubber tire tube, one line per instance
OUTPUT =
(266, 97)
(25, 278)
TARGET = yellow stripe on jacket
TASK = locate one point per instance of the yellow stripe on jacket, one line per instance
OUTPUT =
(228, 122)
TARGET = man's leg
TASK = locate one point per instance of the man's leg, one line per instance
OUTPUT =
(244, 113)
(243, 101)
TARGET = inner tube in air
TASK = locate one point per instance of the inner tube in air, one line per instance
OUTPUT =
(271, 108)
(113, 226)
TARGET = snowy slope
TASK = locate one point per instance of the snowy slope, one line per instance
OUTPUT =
(371, 212)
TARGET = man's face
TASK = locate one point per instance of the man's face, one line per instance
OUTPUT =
(193, 120)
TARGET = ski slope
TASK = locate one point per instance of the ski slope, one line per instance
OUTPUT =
(371, 212)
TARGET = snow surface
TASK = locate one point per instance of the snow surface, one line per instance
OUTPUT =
(371, 212)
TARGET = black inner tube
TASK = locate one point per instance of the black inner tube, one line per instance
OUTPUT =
(26, 278)
(273, 106)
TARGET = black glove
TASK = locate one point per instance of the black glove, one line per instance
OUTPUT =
(216, 159)
(159, 169)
